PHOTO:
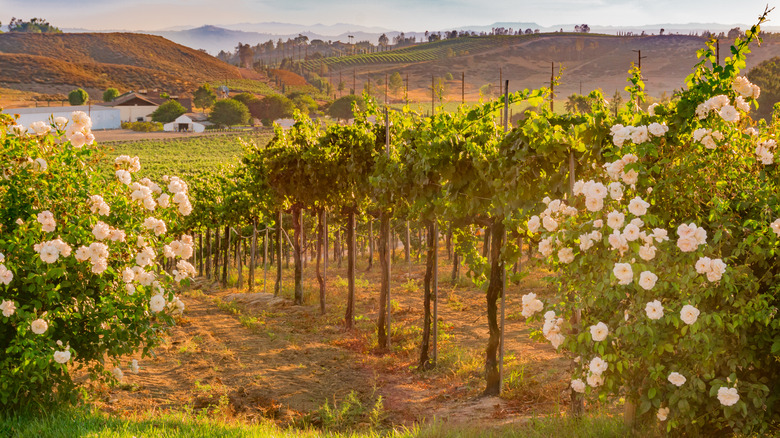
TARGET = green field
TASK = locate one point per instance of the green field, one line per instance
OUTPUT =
(187, 156)
(421, 52)
(245, 85)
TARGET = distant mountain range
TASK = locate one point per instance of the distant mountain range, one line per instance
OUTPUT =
(226, 37)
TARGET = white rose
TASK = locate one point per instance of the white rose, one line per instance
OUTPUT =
(598, 365)
(134, 366)
(566, 255)
(703, 265)
(533, 223)
(729, 113)
(687, 244)
(623, 272)
(594, 204)
(742, 86)
(616, 191)
(638, 207)
(595, 380)
(615, 220)
(101, 230)
(118, 374)
(549, 224)
(647, 280)
(39, 326)
(598, 223)
(124, 176)
(676, 379)
(6, 275)
(49, 253)
(8, 308)
(630, 177)
(631, 232)
(599, 332)
(728, 396)
(654, 310)
(662, 414)
(545, 247)
(578, 385)
(657, 129)
(660, 235)
(689, 314)
(62, 356)
(157, 303)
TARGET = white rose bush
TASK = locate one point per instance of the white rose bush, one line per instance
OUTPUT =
(671, 259)
(81, 260)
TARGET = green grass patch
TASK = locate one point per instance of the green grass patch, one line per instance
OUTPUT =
(83, 422)
(183, 156)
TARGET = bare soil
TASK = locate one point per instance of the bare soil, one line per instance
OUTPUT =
(264, 357)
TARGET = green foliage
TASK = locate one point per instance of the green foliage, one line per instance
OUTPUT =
(341, 108)
(229, 112)
(78, 97)
(168, 112)
(110, 94)
(697, 166)
(35, 25)
(204, 97)
(275, 107)
(143, 126)
(395, 82)
(303, 102)
(253, 104)
(577, 103)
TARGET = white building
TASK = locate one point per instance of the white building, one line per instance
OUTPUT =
(102, 117)
(184, 124)
(133, 107)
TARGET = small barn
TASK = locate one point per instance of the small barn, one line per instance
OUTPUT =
(184, 124)
(102, 117)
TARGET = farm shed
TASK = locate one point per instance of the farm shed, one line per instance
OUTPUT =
(184, 124)
(102, 117)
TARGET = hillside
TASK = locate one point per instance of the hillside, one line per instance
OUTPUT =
(94, 61)
(590, 61)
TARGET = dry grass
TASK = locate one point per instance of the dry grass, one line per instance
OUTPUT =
(46, 62)
(284, 362)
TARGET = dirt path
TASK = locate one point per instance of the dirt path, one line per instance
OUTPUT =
(266, 357)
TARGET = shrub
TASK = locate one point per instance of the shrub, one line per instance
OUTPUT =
(229, 112)
(275, 107)
(168, 112)
(204, 97)
(670, 254)
(81, 279)
(78, 97)
(143, 126)
(110, 94)
(341, 108)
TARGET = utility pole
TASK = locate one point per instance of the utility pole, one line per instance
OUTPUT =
(463, 87)
(639, 58)
(717, 51)
(407, 88)
(354, 80)
(433, 96)
(552, 87)
(385, 88)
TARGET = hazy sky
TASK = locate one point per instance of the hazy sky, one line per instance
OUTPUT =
(407, 15)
